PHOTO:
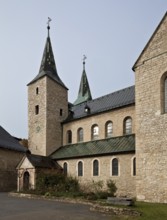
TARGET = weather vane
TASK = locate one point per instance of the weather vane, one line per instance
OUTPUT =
(49, 20)
(84, 58)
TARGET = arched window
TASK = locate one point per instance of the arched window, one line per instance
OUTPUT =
(95, 132)
(95, 168)
(109, 129)
(69, 137)
(127, 125)
(134, 166)
(65, 168)
(80, 134)
(115, 167)
(165, 95)
(80, 168)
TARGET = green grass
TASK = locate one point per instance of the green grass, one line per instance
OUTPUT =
(150, 211)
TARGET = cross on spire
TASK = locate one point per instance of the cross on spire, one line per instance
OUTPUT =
(48, 23)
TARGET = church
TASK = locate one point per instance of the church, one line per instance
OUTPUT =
(120, 136)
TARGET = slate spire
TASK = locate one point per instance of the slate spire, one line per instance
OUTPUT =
(48, 65)
(84, 93)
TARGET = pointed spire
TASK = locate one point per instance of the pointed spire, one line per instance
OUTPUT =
(48, 65)
(84, 93)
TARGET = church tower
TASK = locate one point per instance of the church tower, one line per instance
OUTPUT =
(47, 105)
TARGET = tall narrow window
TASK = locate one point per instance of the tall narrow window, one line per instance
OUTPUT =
(65, 168)
(37, 109)
(61, 112)
(69, 137)
(134, 166)
(165, 95)
(80, 134)
(127, 125)
(115, 167)
(109, 129)
(95, 132)
(95, 168)
(37, 91)
(80, 168)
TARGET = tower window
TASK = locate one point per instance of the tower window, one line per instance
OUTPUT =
(134, 166)
(61, 112)
(37, 91)
(37, 109)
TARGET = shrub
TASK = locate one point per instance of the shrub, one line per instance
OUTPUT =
(111, 187)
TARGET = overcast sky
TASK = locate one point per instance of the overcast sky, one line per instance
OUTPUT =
(111, 33)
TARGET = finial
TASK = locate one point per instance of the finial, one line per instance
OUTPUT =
(48, 23)
(84, 58)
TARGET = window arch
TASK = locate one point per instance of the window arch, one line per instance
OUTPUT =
(80, 168)
(115, 167)
(95, 132)
(108, 129)
(69, 137)
(127, 125)
(95, 168)
(65, 168)
(80, 134)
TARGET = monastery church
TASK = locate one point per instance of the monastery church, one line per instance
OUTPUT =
(120, 136)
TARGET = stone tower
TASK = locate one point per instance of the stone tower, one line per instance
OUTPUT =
(151, 117)
(47, 105)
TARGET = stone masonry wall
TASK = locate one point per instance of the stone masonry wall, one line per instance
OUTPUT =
(116, 116)
(125, 181)
(151, 122)
(8, 174)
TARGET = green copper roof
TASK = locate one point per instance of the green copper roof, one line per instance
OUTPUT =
(84, 93)
(48, 65)
(109, 146)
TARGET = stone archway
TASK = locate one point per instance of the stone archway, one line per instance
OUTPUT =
(26, 180)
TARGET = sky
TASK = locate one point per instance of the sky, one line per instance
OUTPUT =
(111, 33)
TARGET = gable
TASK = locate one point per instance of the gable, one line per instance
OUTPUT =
(25, 164)
(157, 44)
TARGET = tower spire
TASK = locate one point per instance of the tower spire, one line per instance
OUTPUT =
(84, 93)
(48, 64)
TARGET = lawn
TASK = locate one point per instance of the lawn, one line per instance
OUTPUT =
(150, 211)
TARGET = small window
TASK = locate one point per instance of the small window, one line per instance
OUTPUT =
(69, 137)
(37, 109)
(37, 91)
(95, 168)
(80, 134)
(134, 166)
(109, 129)
(80, 168)
(115, 167)
(128, 125)
(65, 168)
(61, 112)
(95, 132)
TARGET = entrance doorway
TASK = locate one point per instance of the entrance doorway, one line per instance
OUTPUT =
(26, 180)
